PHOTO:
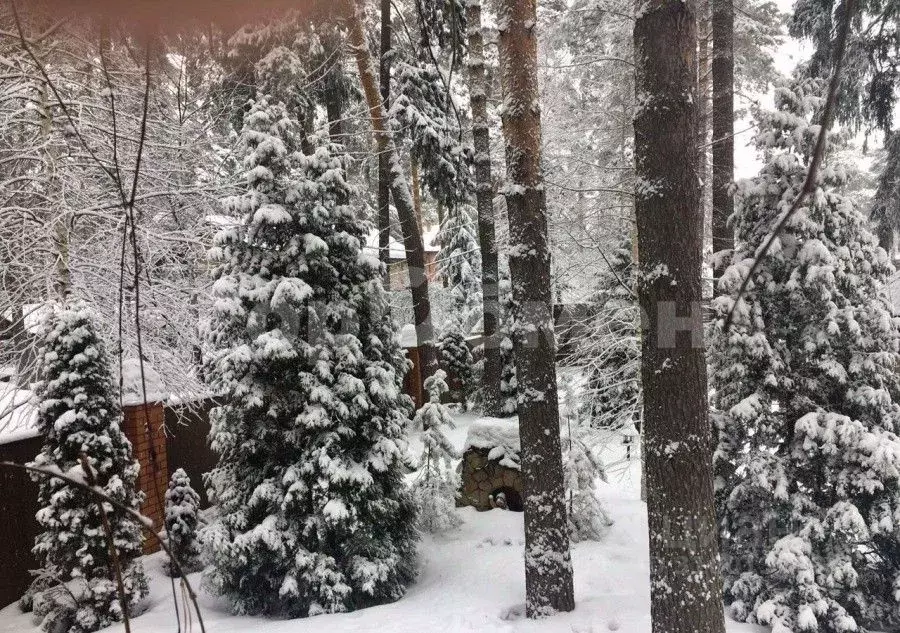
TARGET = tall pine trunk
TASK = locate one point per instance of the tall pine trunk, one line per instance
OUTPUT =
(384, 183)
(885, 213)
(548, 568)
(484, 194)
(399, 188)
(684, 569)
(723, 128)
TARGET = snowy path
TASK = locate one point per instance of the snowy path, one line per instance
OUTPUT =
(470, 580)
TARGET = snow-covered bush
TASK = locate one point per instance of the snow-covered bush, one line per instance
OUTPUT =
(436, 483)
(182, 519)
(80, 415)
(588, 520)
(456, 358)
(314, 514)
(806, 382)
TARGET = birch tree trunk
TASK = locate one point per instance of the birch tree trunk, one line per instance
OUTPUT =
(685, 586)
(484, 196)
(400, 190)
(723, 128)
(384, 184)
(63, 280)
(548, 568)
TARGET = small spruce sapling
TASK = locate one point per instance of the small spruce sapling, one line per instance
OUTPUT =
(457, 360)
(436, 485)
(588, 520)
(182, 519)
(612, 352)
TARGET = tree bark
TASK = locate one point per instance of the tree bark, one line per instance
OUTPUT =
(416, 191)
(384, 183)
(684, 570)
(548, 568)
(484, 200)
(886, 205)
(400, 190)
(723, 128)
(704, 82)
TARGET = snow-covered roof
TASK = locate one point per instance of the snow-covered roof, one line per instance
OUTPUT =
(33, 313)
(18, 414)
(430, 239)
(499, 436)
(396, 248)
(133, 387)
(222, 221)
(408, 336)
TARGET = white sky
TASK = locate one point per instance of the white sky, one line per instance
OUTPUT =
(787, 56)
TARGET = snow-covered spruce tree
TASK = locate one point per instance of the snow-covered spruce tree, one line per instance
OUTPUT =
(461, 267)
(612, 354)
(808, 461)
(314, 514)
(423, 113)
(460, 264)
(182, 519)
(437, 482)
(588, 519)
(79, 415)
(457, 360)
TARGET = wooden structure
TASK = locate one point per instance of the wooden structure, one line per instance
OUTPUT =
(187, 442)
(18, 505)
(18, 493)
(145, 427)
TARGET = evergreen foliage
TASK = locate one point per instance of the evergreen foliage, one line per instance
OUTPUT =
(80, 415)
(182, 519)
(461, 268)
(423, 113)
(460, 264)
(457, 360)
(612, 354)
(314, 514)
(871, 61)
(808, 461)
(885, 213)
(588, 520)
(437, 482)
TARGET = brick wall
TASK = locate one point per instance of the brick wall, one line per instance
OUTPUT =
(137, 420)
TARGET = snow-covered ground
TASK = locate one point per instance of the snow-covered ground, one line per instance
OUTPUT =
(471, 579)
